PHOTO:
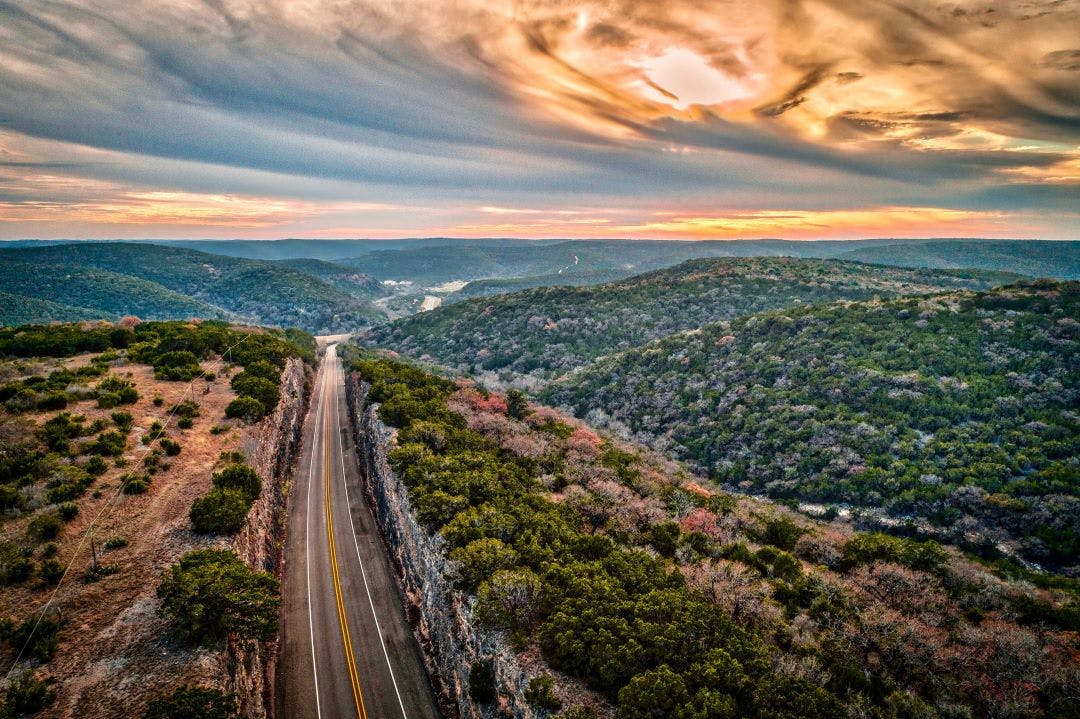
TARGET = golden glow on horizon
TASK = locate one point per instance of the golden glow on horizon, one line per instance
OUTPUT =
(677, 119)
(210, 211)
(793, 224)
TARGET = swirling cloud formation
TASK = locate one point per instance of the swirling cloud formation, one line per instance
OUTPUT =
(596, 118)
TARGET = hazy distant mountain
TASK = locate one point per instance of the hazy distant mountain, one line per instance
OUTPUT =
(1060, 260)
(184, 283)
(548, 331)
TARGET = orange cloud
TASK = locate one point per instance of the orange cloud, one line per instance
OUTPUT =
(174, 208)
(793, 224)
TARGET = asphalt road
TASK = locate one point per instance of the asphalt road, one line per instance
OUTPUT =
(346, 649)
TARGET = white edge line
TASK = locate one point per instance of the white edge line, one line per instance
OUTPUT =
(307, 545)
(356, 544)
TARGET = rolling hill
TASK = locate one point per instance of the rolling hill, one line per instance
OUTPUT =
(336, 275)
(20, 310)
(111, 293)
(954, 412)
(1034, 258)
(546, 332)
(164, 282)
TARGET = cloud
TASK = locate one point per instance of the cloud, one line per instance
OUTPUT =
(537, 103)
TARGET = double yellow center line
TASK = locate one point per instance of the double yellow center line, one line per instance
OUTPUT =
(350, 659)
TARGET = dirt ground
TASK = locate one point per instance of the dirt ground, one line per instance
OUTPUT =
(115, 654)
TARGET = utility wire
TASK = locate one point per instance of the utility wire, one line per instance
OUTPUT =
(107, 506)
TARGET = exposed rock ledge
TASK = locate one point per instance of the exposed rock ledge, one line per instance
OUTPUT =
(271, 450)
(441, 617)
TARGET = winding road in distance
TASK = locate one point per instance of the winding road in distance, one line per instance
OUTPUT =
(346, 648)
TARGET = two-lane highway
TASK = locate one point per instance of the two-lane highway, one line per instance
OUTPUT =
(346, 648)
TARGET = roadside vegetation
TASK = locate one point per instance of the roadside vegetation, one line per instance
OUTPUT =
(127, 416)
(649, 593)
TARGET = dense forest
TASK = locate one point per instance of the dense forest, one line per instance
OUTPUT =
(546, 332)
(20, 310)
(156, 282)
(956, 413)
(647, 592)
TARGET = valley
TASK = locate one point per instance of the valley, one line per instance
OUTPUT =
(773, 487)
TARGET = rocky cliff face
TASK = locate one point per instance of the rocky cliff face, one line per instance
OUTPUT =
(271, 450)
(441, 617)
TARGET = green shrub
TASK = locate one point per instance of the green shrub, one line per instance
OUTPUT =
(15, 564)
(211, 592)
(517, 404)
(68, 483)
(96, 466)
(171, 447)
(108, 400)
(664, 538)
(38, 636)
(221, 511)
(68, 511)
(152, 460)
(122, 420)
(185, 423)
(876, 547)
(58, 431)
(177, 366)
(114, 390)
(187, 408)
(245, 408)
(11, 497)
(540, 693)
(158, 401)
(28, 695)
(44, 527)
(51, 571)
(53, 401)
(97, 572)
(482, 681)
(110, 444)
(50, 550)
(156, 431)
(193, 703)
(262, 389)
(134, 483)
(241, 477)
(779, 531)
(115, 543)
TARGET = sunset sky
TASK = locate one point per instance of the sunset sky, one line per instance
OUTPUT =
(687, 119)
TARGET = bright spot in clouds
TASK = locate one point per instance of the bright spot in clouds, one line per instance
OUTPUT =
(543, 118)
(690, 80)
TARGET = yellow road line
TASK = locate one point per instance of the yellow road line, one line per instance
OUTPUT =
(346, 638)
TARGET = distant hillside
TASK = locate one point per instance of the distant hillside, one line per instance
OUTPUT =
(487, 288)
(19, 310)
(110, 293)
(253, 290)
(346, 279)
(549, 331)
(1060, 260)
(501, 259)
(957, 410)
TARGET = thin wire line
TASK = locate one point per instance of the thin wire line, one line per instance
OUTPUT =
(108, 505)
